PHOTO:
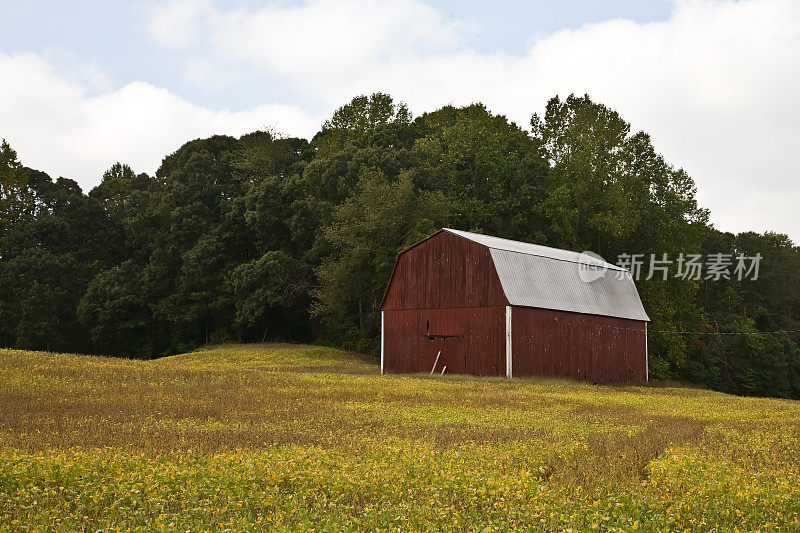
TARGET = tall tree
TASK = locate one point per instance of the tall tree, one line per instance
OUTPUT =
(122, 192)
(46, 262)
(491, 171)
(365, 121)
(609, 191)
(115, 310)
(368, 230)
(16, 198)
(267, 292)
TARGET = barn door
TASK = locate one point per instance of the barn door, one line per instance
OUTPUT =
(442, 335)
(453, 359)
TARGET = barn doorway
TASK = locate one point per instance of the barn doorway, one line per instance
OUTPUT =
(450, 347)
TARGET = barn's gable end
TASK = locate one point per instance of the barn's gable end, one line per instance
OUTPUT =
(444, 271)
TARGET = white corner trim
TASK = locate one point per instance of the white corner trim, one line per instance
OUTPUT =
(646, 356)
(382, 342)
(509, 359)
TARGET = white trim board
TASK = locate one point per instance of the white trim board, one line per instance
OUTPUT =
(646, 356)
(509, 358)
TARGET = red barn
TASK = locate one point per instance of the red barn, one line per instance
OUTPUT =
(465, 303)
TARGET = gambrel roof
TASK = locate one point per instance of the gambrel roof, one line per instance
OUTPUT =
(550, 278)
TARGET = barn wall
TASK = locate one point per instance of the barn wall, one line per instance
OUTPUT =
(444, 272)
(471, 339)
(594, 348)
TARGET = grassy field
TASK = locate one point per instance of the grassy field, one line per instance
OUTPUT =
(302, 437)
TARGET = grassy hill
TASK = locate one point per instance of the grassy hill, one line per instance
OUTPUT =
(288, 436)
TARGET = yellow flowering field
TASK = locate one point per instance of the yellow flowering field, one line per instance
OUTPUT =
(296, 437)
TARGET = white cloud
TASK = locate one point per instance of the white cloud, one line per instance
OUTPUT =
(177, 23)
(714, 84)
(56, 126)
(329, 40)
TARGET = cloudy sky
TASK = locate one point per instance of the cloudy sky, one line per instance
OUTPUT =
(84, 84)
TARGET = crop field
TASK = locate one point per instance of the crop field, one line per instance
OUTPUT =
(299, 437)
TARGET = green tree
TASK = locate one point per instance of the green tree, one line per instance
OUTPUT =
(609, 191)
(16, 198)
(587, 204)
(491, 171)
(122, 192)
(46, 262)
(115, 310)
(367, 232)
(749, 345)
(267, 291)
(364, 121)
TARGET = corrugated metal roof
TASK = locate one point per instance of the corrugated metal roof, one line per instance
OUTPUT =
(527, 248)
(549, 278)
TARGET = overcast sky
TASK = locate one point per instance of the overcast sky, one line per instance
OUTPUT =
(84, 84)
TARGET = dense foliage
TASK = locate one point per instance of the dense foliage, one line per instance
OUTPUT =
(266, 237)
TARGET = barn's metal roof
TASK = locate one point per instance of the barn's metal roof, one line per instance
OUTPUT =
(549, 278)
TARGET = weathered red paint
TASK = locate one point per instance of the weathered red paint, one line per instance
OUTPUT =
(445, 295)
(593, 348)
(441, 272)
(471, 340)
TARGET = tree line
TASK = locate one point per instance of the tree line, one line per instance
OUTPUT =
(267, 237)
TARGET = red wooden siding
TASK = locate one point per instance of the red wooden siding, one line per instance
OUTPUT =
(445, 295)
(471, 339)
(594, 348)
(444, 271)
